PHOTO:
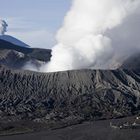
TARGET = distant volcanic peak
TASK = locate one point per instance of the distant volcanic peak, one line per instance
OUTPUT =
(14, 40)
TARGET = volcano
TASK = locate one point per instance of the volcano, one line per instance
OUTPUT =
(15, 54)
(13, 40)
(61, 99)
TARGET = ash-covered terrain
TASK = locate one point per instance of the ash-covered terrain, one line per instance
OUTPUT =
(97, 130)
(32, 101)
(83, 94)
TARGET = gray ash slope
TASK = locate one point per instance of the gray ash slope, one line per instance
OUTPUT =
(133, 62)
(80, 94)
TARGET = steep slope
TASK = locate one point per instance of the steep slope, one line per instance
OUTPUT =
(8, 45)
(13, 40)
(132, 62)
(83, 94)
(15, 56)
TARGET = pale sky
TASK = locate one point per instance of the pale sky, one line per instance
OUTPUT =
(34, 21)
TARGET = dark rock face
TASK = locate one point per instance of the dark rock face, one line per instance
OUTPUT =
(16, 57)
(83, 94)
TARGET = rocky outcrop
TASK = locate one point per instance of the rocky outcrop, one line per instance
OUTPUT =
(81, 94)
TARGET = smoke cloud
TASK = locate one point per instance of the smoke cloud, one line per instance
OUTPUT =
(82, 40)
(3, 27)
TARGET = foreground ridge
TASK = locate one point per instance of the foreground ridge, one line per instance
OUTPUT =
(81, 94)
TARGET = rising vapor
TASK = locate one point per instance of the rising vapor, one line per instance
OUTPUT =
(3, 27)
(82, 40)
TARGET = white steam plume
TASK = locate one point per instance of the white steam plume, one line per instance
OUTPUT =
(3, 27)
(82, 42)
